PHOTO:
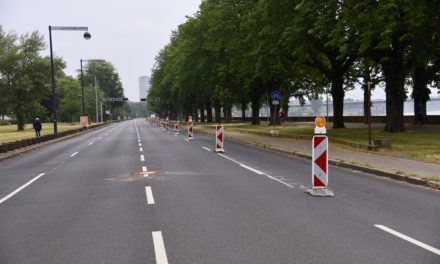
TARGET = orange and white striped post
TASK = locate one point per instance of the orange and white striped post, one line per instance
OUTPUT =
(219, 138)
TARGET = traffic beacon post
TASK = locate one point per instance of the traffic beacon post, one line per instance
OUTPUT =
(219, 138)
(320, 160)
(190, 128)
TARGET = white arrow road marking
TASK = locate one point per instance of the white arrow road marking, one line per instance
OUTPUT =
(21, 188)
(159, 248)
(74, 154)
(409, 239)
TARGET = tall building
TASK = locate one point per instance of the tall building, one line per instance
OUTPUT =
(144, 85)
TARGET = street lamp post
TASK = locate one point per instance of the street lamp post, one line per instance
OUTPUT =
(86, 36)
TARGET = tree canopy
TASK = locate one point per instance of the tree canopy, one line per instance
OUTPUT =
(237, 52)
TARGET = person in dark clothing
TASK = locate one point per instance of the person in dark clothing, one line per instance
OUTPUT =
(37, 126)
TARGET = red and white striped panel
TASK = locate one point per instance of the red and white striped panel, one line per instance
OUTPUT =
(219, 138)
(320, 161)
(190, 130)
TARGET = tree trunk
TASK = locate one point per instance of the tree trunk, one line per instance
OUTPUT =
(217, 109)
(338, 94)
(243, 110)
(202, 113)
(395, 94)
(255, 105)
(20, 121)
(209, 112)
(227, 112)
(420, 92)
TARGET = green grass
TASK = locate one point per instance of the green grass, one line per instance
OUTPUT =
(423, 145)
(9, 133)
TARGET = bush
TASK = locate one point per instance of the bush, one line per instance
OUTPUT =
(8, 122)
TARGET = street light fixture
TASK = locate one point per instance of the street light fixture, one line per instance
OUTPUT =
(86, 36)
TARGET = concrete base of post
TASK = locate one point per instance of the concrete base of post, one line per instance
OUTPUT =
(322, 192)
(219, 150)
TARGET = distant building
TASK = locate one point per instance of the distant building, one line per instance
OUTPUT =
(144, 85)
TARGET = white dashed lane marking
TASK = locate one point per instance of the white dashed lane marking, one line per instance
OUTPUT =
(21, 188)
(74, 154)
(149, 194)
(159, 248)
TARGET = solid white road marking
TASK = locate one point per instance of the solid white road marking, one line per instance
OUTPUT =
(91, 143)
(142, 158)
(144, 168)
(159, 248)
(206, 148)
(73, 155)
(140, 149)
(149, 192)
(409, 239)
(21, 188)
(251, 169)
(256, 171)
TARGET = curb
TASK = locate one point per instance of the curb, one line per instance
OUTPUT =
(342, 164)
(20, 151)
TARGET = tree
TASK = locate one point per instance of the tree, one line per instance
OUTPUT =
(24, 75)
(387, 31)
(69, 90)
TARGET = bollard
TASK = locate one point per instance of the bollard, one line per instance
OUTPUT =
(219, 138)
(320, 160)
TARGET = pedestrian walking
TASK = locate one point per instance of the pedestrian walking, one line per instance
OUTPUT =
(37, 126)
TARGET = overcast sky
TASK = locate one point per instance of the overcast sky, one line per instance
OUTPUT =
(127, 33)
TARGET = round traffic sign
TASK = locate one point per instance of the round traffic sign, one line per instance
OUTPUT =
(276, 95)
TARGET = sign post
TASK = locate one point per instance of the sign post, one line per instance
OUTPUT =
(320, 160)
(276, 96)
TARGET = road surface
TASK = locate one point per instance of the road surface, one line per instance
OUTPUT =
(132, 193)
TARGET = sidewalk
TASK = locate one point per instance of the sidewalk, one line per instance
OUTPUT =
(412, 171)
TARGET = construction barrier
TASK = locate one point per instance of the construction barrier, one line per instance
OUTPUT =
(176, 128)
(190, 130)
(219, 138)
(320, 160)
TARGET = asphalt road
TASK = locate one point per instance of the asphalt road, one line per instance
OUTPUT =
(132, 193)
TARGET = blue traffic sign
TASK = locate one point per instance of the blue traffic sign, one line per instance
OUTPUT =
(276, 95)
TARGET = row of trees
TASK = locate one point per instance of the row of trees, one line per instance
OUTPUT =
(236, 52)
(25, 86)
